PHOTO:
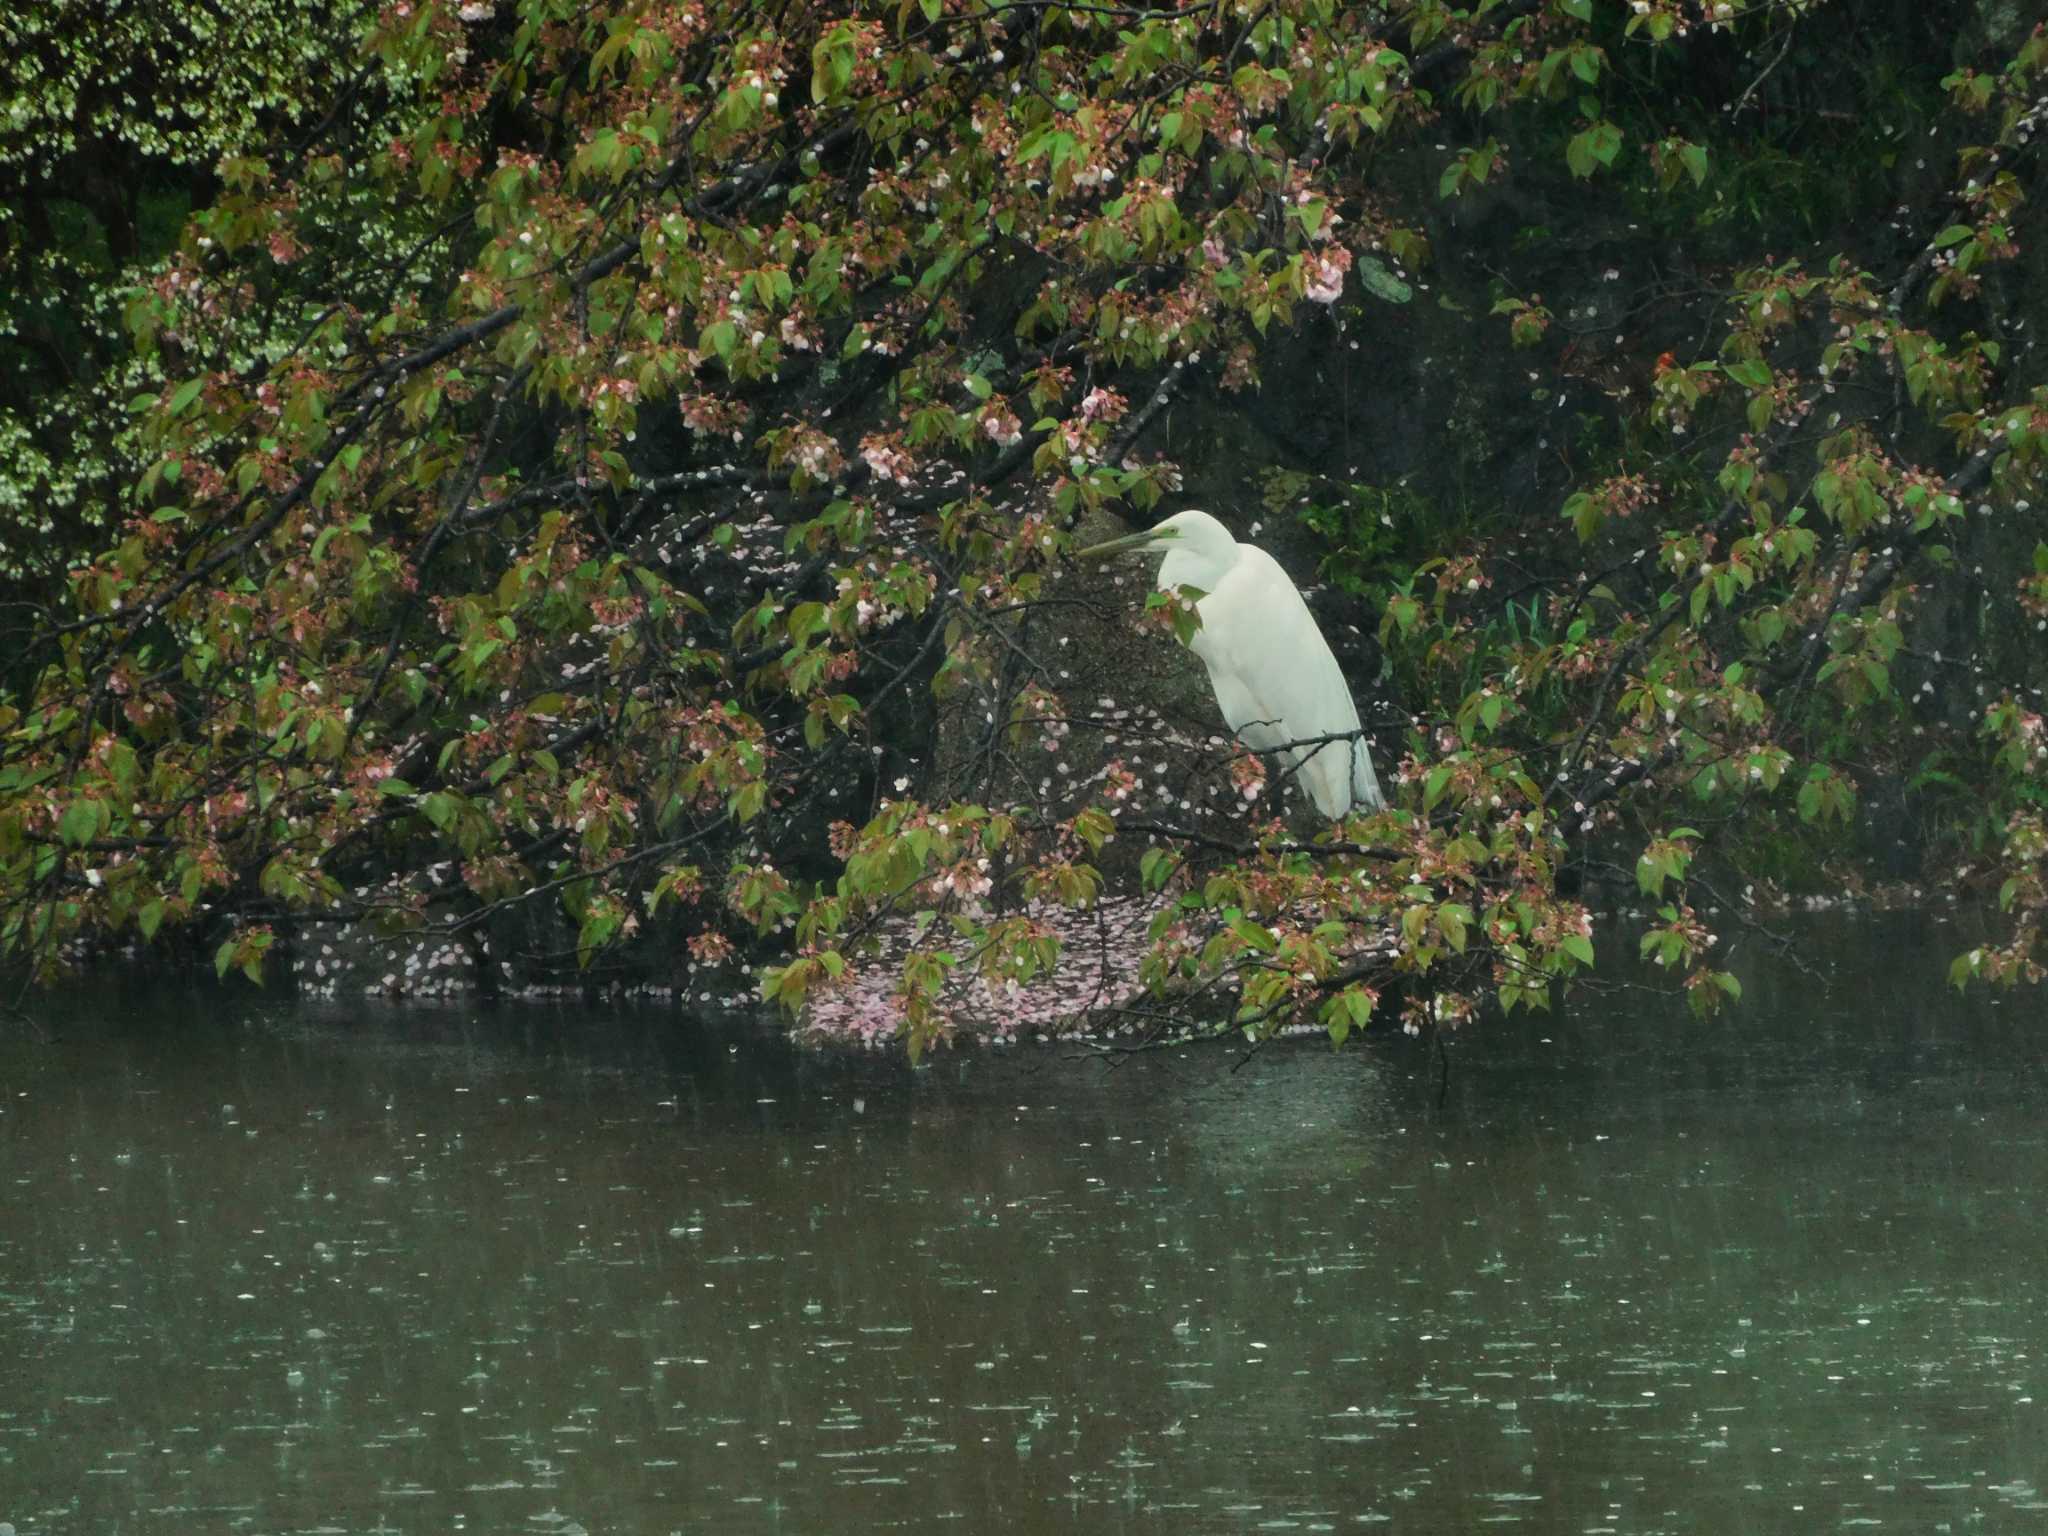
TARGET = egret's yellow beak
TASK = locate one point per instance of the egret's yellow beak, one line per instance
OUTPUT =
(1144, 538)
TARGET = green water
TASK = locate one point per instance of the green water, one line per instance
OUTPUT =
(407, 1270)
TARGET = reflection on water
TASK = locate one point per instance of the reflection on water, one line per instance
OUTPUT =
(403, 1270)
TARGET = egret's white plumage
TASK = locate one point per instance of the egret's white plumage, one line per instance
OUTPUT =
(1275, 679)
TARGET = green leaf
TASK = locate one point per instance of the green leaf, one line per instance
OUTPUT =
(1350, 1009)
(1809, 799)
(1578, 155)
(806, 619)
(81, 823)
(1452, 919)
(1593, 148)
(1381, 283)
(1157, 867)
(1255, 935)
(823, 75)
(1585, 515)
(184, 395)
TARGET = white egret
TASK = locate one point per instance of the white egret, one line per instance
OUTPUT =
(1275, 679)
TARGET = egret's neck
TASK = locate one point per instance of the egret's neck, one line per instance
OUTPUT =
(1186, 567)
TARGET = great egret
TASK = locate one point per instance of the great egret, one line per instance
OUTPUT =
(1275, 679)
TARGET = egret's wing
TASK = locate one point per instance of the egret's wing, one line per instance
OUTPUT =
(1243, 712)
(1276, 681)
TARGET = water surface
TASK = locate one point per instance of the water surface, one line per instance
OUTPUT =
(269, 1269)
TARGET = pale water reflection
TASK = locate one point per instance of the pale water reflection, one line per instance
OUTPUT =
(422, 1271)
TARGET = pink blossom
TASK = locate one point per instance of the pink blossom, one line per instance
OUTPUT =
(999, 424)
(886, 461)
(1323, 274)
(1103, 405)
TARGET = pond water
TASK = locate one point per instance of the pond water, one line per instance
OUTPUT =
(269, 1269)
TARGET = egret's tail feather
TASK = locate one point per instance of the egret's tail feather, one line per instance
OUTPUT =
(1365, 784)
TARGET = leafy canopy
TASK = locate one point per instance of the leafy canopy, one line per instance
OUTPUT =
(620, 462)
